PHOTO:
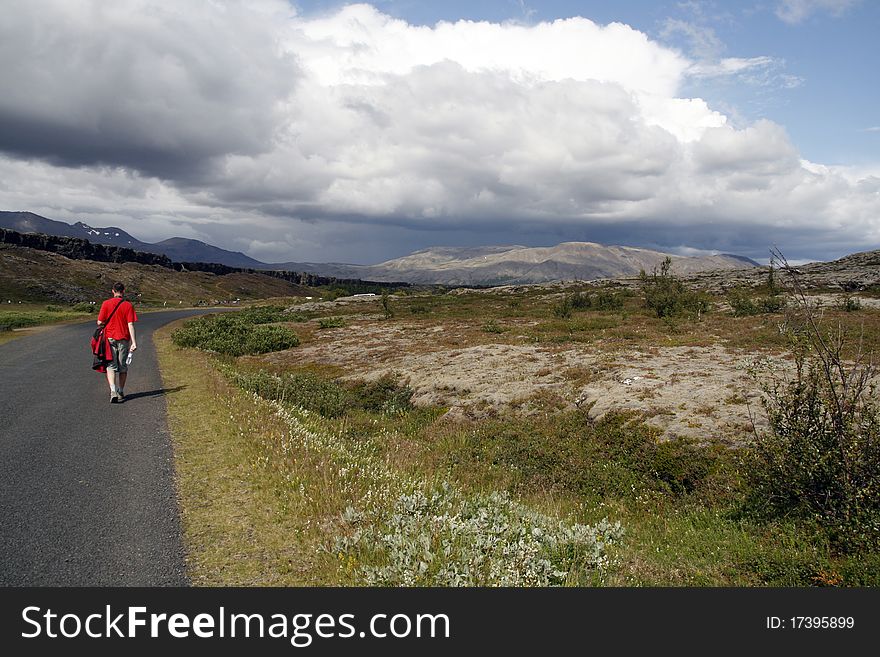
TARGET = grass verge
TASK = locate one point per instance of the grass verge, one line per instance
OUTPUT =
(30, 316)
(242, 516)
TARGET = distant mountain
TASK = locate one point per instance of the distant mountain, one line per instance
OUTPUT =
(482, 265)
(28, 222)
(179, 249)
(519, 265)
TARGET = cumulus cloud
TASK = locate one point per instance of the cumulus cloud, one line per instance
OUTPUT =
(247, 125)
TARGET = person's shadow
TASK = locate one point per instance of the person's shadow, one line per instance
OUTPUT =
(153, 393)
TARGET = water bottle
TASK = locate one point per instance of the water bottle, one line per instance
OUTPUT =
(128, 360)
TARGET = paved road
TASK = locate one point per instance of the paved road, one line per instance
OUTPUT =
(87, 491)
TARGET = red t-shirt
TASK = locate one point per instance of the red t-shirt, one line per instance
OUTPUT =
(117, 327)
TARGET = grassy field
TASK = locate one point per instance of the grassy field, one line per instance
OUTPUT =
(18, 316)
(327, 464)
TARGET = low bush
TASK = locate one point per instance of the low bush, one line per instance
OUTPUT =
(233, 336)
(580, 301)
(331, 322)
(334, 293)
(492, 326)
(445, 538)
(303, 389)
(13, 319)
(264, 314)
(385, 302)
(744, 305)
(849, 304)
(323, 396)
(820, 458)
(83, 307)
(668, 297)
(608, 300)
(603, 300)
(611, 457)
(563, 308)
(384, 395)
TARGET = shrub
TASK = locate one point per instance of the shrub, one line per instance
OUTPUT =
(384, 395)
(581, 301)
(608, 300)
(820, 458)
(848, 303)
(743, 305)
(772, 303)
(54, 309)
(13, 319)
(668, 297)
(387, 312)
(335, 293)
(328, 398)
(309, 391)
(83, 307)
(232, 336)
(331, 322)
(445, 538)
(602, 300)
(562, 308)
(264, 314)
(493, 326)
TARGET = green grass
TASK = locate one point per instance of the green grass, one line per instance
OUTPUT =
(245, 332)
(39, 316)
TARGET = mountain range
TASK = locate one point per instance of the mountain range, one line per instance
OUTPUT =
(484, 265)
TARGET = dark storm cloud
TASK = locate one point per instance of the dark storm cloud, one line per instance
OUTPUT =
(163, 90)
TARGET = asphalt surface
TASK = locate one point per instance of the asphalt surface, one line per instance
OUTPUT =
(87, 493)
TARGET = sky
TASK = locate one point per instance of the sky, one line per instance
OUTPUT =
(322, 131)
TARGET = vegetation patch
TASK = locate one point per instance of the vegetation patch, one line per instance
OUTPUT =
(668, 297)
(443, 537)
(234, 335)
(331, 322)
(13, 319)
(596, 460)
(743, 304)
(328, 398)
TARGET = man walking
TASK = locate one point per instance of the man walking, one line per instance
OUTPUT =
(119, 316)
